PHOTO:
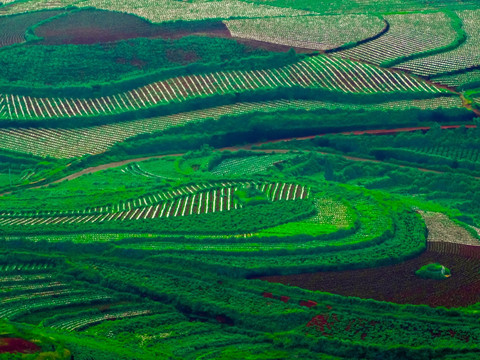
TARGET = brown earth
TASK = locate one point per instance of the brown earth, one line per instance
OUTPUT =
(96, 26)
(17, 345)
(399, 284)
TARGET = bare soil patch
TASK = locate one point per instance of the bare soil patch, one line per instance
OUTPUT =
(97, 26)
(399, 284)
(17, 345)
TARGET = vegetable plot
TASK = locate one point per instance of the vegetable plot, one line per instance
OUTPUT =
(65, 143)
(318, 72)
(190, 200)
(310, 32)
(465, 56)
(408, 34)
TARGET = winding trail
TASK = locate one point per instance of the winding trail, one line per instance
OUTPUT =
(251, 147)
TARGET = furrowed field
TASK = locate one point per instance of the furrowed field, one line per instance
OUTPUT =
(239, 179)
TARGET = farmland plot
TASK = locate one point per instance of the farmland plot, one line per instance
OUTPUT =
(318, 72)
(86, 238)
(408, 34)
(81, 321)
(465, 56)
(171, 10)
(13, 28)
(399, 284)
(65, 143)
(32, 287)
(330, 256)
(331, 215)
(457, 153)
(442, 229)
(18, 7)
(248, 165)
(458, 80)
(189, 200)
(310, 32)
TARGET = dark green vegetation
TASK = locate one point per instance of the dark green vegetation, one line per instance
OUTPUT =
(170, 190)
(433, 271)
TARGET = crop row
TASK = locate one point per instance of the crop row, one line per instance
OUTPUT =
(17, 308)
(311, 32)
(167, 10)
(143, 201)
(408, 34)
(65, 143)
(28, 287)
(442, 229)
(458, 153)
(80, 238)
(4, 268)
(42, 293)
(458, 80)
(197, 202)
(248, 165)
(320, 72)
(377, 242)
(82, 321)
(464, 56)
(376, 225)
(24, 278)
(135, 169)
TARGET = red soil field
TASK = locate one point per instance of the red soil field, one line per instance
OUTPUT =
(13, 28)
(96, 26)
(17, 345)
(399, 284)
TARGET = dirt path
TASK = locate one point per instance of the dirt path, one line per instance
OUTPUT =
(354, 132)
(469, 106)
(94, 169)
(250, 147)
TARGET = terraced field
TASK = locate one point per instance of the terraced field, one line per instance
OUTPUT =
(308, 32)
(167, 10)
(27, 288)
(459, 80)
(319, 72)
(408, 34)
(12, 29)
(177, 183)
(465, 56)
(189, 200)
(66, 143)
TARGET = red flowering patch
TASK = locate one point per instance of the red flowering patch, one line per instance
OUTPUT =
(309, 303)
(323, 322)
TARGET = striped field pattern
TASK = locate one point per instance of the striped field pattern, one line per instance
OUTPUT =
(189, 200)
(408, 34)
(66, 143)
(318, 72)
(82, 321)
(465, 56)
